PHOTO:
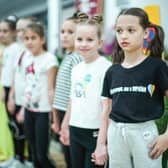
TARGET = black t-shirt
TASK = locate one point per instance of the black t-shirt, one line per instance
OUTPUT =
(136, 93)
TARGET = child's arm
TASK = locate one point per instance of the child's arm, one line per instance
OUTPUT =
(55, 124)
(100, 154)
(11, 101)
(64, 133)
(51, 83)
(20, 115)
(160, 144)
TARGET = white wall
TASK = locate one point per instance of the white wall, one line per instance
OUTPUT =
(68, 12)
(56, 15)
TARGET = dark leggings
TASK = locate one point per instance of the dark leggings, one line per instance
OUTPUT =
(19, 137)
(37, 133)
(66, 149)
(17, 130)
(83, 144)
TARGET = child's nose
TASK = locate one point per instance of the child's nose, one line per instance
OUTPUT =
(124, 35)
(84, 43)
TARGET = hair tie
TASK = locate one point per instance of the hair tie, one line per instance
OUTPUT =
(82, 16)
(151, 36)
(97, 18)
(12, 18)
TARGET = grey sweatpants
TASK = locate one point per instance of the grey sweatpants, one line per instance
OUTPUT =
(128, 145)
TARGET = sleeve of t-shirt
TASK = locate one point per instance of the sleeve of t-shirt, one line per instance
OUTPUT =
(162, 76)
(72, 81)
(52, 61)
(76, 59)
(16, 53)
(103, 75)
(106, 87)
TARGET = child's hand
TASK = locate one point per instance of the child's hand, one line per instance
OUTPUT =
(158, 146)
(20, 115)
(11, 105)
(100, 156)
(55, 127)
(64, 136)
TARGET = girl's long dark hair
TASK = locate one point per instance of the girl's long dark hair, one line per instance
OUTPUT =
(156, 46)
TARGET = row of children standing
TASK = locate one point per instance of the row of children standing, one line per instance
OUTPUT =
(28, 88)
(36, 103)
(11, 53)
(132, 95)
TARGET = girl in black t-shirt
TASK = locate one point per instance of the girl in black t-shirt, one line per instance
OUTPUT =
(134, 87)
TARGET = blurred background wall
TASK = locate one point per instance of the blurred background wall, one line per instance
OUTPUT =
(53, 12)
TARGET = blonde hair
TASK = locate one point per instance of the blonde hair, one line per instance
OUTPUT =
(96, 20)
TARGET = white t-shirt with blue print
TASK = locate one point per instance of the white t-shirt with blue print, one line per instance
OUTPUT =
(87, 81)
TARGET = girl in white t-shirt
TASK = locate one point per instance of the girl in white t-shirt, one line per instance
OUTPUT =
(40, 78)
(9, 57)
(10, 53)
(83, 115)
(15, 101)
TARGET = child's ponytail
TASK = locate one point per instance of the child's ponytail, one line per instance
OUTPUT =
(156, 46)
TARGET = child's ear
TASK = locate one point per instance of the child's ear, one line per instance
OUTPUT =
(100, 43)
(43, 40)
(146, 33)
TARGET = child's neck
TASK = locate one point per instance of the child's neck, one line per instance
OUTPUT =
(9, 43)
(70, 50)
(133, 59)
(91, 59)
(39, 53)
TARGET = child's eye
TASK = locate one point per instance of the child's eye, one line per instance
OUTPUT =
(62, 31)
(26, 38)
(119, 31)
(70, 32)
(5, 31)
(130, 30)
(33, 37)
(90, 39)
(79, 39)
